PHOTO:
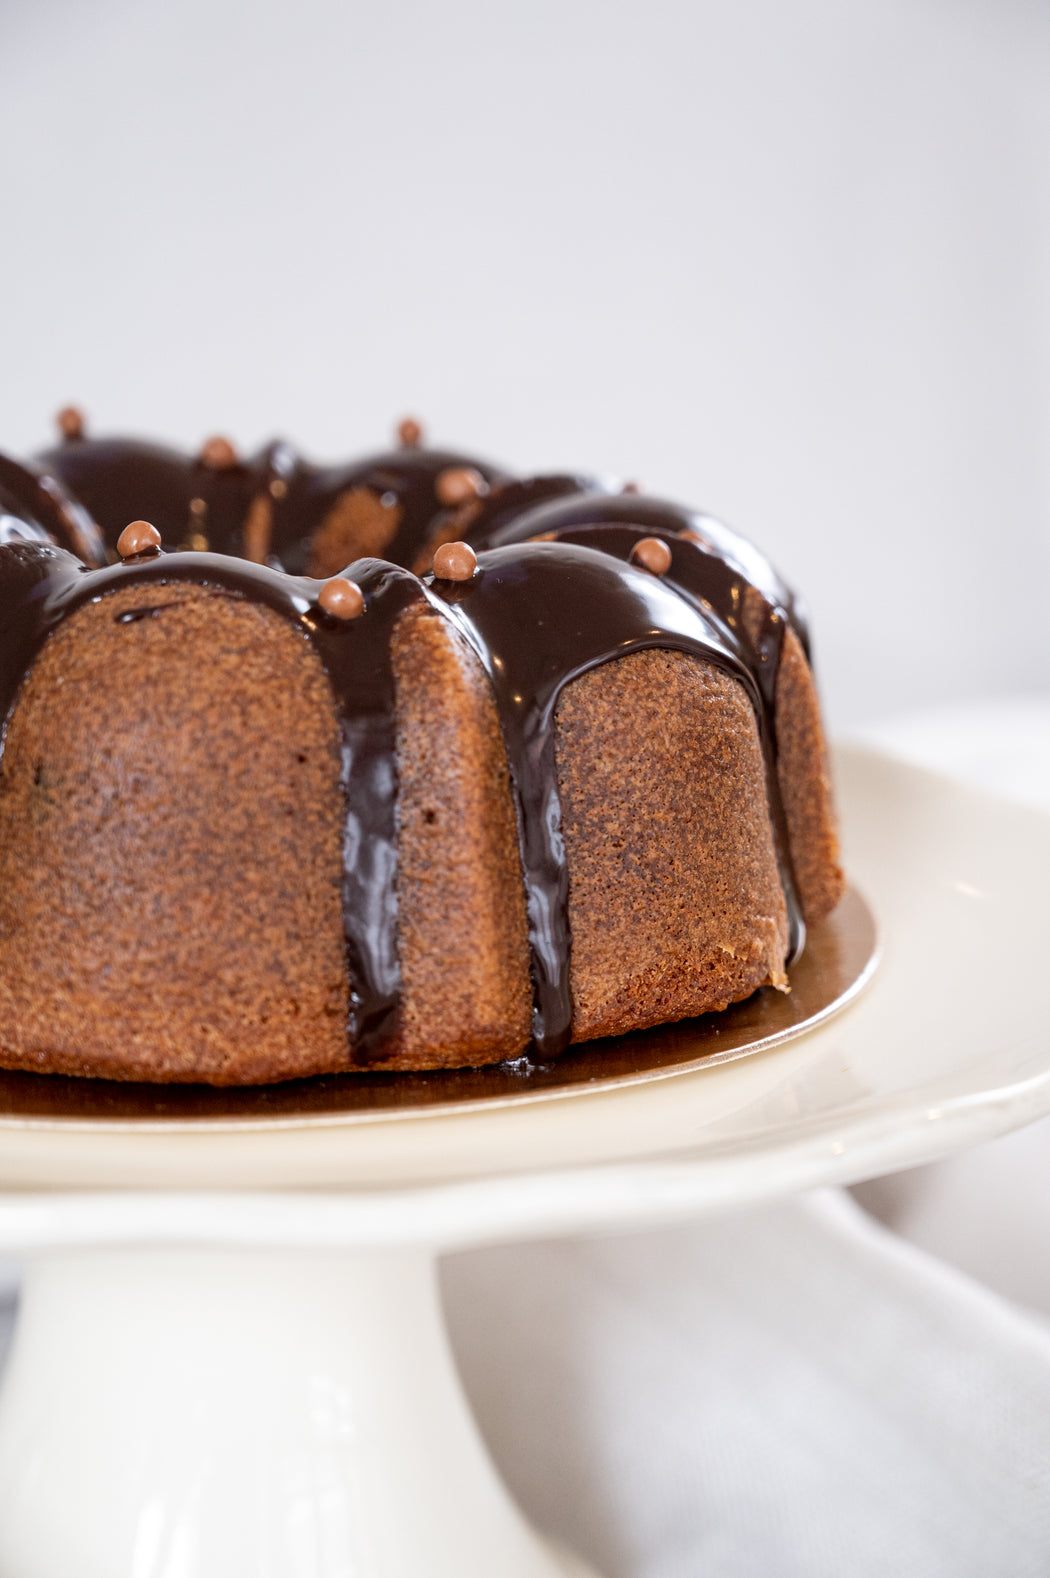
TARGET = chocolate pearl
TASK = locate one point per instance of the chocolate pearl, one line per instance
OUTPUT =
(138, 538)
(70, 422)
(455, 561)
(631, 487)
(458, 484)
(653, 554)
(218, 454)
(409, 433)
(341, 598)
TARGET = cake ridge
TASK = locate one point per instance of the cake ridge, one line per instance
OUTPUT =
(355, 655)
(611, 610)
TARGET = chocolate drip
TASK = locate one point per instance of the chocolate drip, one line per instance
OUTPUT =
(40, 586)
(539, 615)
(357, 656)
(753, 628)
(34, 506)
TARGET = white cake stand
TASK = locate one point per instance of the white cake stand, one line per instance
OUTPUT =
(230, 1360)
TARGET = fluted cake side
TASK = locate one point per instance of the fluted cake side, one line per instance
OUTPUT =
(257, 824)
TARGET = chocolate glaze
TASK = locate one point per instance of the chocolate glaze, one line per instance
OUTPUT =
(656, 517)
(125, 479)
(481, 521)
(718, 591)
(121, 479)
(35, 505)
(537, 614)
(404, 477)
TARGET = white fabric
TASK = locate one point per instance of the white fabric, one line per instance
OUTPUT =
(797, 1392)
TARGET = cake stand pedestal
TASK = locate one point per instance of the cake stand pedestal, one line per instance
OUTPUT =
(176, 1412)
(230, 1358)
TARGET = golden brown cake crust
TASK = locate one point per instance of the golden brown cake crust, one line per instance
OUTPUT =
(675, 902)
(170, 835)
(461, 906)
(805, 786)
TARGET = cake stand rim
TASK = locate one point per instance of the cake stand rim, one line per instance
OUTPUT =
(635, 1194)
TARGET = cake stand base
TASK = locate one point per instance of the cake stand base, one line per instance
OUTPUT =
(313, 1424)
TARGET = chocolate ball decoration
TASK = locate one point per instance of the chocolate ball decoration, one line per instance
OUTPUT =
(218, 454)
(70, 422)
(455, 561)
(653, 554)
(137, 539)
(341, 598)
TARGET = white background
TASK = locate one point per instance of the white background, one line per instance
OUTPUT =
(784, 259)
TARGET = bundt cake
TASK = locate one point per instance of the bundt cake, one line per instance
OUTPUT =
(280, 798)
